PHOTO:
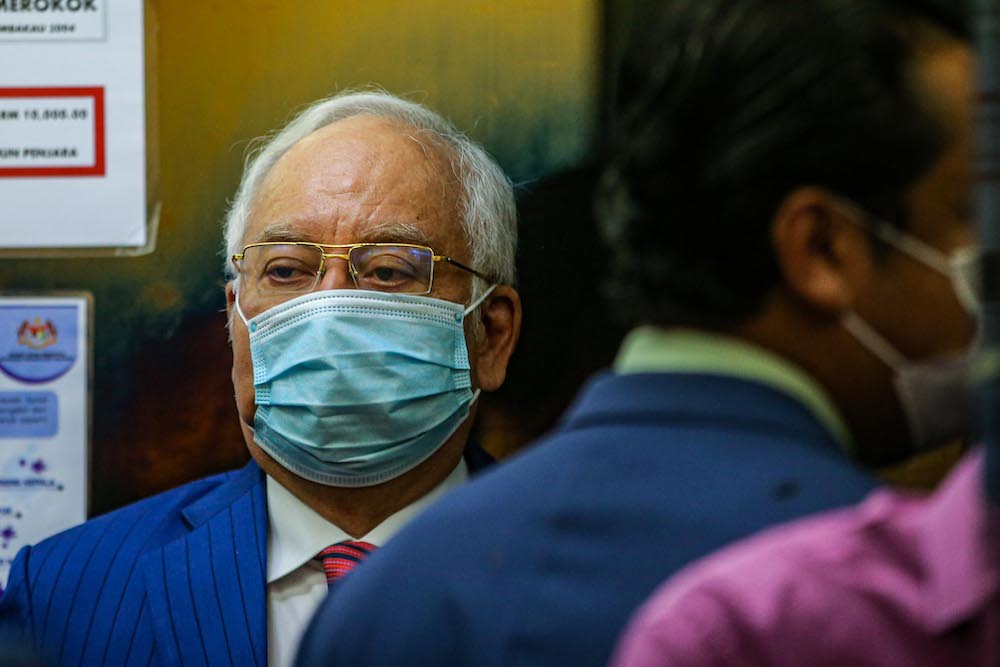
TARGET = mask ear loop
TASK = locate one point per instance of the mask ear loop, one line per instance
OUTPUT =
(960, 267)
(479, 301)
(873, 341)
(924, 253)
(967, 269)
(475, 304)
(239, 310)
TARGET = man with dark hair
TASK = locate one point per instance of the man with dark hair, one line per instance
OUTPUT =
(789, 202)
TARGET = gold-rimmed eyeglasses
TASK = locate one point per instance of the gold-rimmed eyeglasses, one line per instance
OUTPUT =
(280, 268)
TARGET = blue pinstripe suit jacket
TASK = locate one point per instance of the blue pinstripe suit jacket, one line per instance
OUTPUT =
(178, 578)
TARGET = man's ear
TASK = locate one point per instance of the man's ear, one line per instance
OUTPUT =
(501, 318)
(822, 252)
(230, 300)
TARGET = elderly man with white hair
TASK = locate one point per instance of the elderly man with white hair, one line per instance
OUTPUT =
(370, 256)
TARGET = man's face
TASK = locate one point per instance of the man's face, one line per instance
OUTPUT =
(911, 305)
(358, 180)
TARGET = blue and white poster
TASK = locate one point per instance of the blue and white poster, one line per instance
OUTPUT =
(44, 418)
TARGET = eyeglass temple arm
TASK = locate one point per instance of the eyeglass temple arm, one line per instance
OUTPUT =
(462, 266)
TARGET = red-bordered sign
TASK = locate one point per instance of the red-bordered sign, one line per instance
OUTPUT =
(96, 169)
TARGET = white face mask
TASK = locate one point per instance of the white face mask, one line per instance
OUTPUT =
(936, 395)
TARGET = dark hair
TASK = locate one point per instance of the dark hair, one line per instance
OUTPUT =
(724, 107)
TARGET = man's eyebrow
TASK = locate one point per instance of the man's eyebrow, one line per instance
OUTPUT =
(279, 232)
(392, 232)
(395, 232)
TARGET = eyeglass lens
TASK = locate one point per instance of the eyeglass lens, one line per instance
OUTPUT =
(392, 268)
(271, 272)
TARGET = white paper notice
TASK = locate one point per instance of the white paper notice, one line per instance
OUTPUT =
(43, 420)
(72, 124)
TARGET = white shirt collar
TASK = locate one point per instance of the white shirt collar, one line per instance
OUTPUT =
(296, 532)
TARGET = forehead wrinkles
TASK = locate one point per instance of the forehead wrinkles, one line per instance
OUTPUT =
(442, 160)
(424, 162)
(369, 157)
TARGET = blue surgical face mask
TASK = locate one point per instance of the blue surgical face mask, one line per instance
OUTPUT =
(355, 387)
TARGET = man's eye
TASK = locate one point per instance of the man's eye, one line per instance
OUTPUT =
(386, 275)
(287, 274)
(389, 274)
(387, 269)
(283, 272)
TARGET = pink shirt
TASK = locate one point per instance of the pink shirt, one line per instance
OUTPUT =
(893, 582)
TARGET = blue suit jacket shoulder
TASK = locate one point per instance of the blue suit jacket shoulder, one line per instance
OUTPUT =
(176, 576)
(179, 578)
(542, 560)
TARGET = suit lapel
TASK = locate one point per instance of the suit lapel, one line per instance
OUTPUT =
(207, 589)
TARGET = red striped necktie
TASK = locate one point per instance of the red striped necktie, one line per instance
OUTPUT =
(342, 557)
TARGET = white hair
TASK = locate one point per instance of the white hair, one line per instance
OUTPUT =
(489, 216)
